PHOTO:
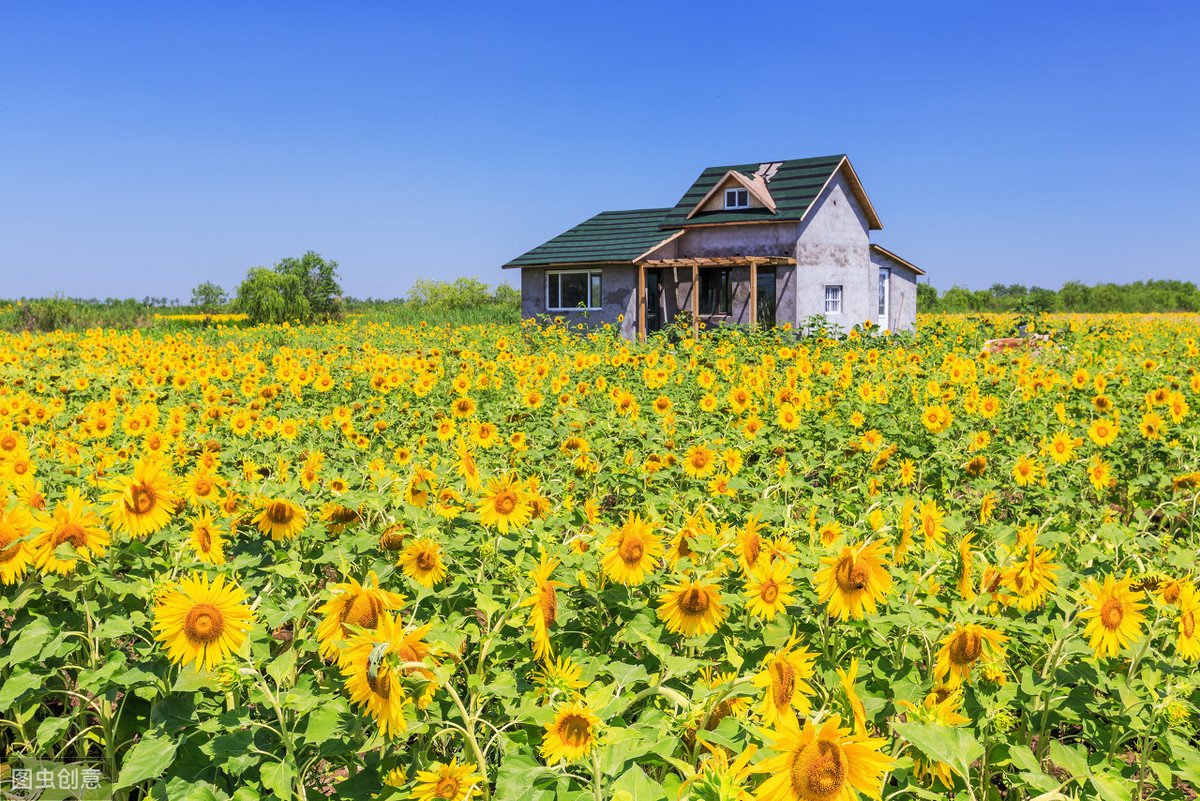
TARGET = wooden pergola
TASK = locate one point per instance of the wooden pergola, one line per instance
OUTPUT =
(754, 262)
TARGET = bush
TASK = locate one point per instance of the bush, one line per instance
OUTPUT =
(318, 283)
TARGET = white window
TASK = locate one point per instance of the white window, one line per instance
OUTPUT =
(737, 199)
(570, 290)
(833, 299)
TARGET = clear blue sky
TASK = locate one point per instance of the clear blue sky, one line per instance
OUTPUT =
(146, 147)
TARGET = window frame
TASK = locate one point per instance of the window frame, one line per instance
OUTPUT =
(738, 193)
(724, 292)
(593, 276)
(834, 295)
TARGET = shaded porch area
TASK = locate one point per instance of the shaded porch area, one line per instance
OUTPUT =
(724, 289)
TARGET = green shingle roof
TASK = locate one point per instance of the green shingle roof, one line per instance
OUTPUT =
(794, 187)
(611, 236)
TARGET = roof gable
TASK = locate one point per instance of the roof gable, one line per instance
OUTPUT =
(793, 186)
(755, 184)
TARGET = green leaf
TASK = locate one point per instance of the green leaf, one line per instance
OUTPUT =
(517, 775)
(639, 786)
(50, 730)
(185, 790)
(282, 668)
(1112, 788)
(956, 747)
(29, 644)
(16, 685)
(330, 721)
(279, 778)
(1072, 760)
(147, 759)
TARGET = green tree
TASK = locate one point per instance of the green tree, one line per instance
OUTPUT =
(272, 297)
(318, 283)
(927, 298)
(208, 296)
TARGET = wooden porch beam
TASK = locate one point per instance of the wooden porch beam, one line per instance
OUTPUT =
(641, 300)
(695, 303)
(753, 292)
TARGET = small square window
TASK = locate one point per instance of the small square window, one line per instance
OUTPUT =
(833, 300)
(737, 199)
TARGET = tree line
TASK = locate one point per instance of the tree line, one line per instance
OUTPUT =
(1073, 296)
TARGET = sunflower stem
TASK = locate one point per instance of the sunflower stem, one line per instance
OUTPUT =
(469, 731)
(597, 791)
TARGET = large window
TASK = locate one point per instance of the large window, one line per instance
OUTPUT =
(567, 290)
(833, 299)
(715, 297)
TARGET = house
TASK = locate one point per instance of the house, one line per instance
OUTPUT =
(765, 243)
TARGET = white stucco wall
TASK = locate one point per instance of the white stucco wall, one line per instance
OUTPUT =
(833, 249)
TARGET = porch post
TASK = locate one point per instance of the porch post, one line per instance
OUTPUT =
(695, 303)
(753, 292)
(641, 301)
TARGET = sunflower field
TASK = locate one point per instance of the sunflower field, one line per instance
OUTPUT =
(508, 562)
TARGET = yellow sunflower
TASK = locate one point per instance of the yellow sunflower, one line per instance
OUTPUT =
(769, 590)
(822, 763)
(1033, 578)
(1188, 644)
(353, 604)
(783, 679)
(857, 711)
(1114, 614)
(206, 539)
(451, 782)
(505, 503)
(75, 523)
(691, 608)
(633, 551)
(571, 735)
(700, 462)
(142, 504)
(373, 667)
(280, 518)
(961, 649)
(940, 707)
(16, 524)
(544, 601)
(422, 562)
(202, 622)
(750, 545)
(854, 581)
(203, 487)
(558, 677)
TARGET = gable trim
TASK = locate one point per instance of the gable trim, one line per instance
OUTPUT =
(757, 188)
(888, 254)
(873, 223)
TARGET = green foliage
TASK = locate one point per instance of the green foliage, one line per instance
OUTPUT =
(272, 297)
(318, 283)
(927, 298)
(209, 296)
(463, 293)
(1074, 296)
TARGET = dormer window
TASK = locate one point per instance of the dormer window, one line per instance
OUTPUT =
(737, 198)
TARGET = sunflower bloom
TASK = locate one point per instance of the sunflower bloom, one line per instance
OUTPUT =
(932, 526)
(854, 581)
(1114, 615)
(544, 601)
(202, 622)
(691, 608)
(75, 523)
(280, 518)
(939, 707)
(142, 504)
(633, 551)
(504, 504)
(15, 554)
(961, 649)
(375, 676)
(207, 539)
(571, 735)
(783, 679)
(822, 763)
(353, 604)
(1188, 644)
(422, 562)
(769, 590)
(1033, 578)
(451, 782)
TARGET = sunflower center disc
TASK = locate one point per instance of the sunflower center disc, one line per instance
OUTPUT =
(574, 731)
(426, 561)
(1111, 614)
(7, 535)
(380, 685)
(819, 771)
(202, 487)
(752, 549)
(548, 601)
(694, 602)
(280, 513)
(361, 611)
(143, 499)
(850, 576)
(1187, 623)
(72, 533)
(1171, 593)
(204, 623)
(204, 538)
(783, 682)
(965, 648)
(505, 502)
(632, 550)
(769, 592)
(446, 788)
